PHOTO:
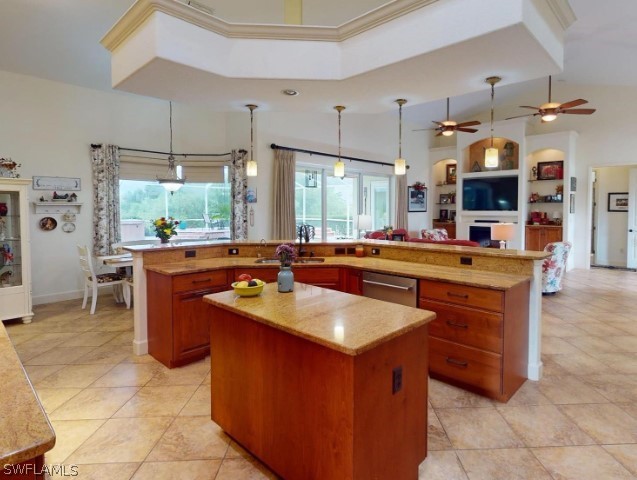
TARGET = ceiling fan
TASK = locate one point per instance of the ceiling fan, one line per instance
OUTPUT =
(549, 111)
(447, 127)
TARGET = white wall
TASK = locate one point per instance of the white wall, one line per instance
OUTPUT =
(610, 244)
(48, 127)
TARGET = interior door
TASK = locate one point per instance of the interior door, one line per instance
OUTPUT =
(631, 245)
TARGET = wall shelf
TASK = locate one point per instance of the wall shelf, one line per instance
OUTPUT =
(57, 207)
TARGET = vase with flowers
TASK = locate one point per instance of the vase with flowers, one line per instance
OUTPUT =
(165, 227)
(285, 278)
(389, 231)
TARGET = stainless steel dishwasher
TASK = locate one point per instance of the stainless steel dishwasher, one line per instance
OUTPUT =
(391, 288)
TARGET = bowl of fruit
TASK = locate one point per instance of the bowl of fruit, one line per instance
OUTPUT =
(246, 286)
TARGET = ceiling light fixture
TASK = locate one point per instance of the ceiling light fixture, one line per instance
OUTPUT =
(447, 132)
(173, 181)
(251, 166)
(339, 166)
(549, 108)
(400, 165)
(491, 153)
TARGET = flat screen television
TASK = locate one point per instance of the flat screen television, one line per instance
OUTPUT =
(493, 193)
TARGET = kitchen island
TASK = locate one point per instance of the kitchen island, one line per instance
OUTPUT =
(321, 384)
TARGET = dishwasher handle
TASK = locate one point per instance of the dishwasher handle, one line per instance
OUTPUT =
(381, 284)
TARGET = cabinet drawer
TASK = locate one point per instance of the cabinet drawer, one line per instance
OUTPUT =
(462, 295)
(475, 328)
(324, 277)
(467, 365)
(199, 281)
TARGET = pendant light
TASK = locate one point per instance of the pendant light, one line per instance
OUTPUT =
(339, 166)
(173, 180)
(400, 165)
(251, 166)
(491, 153)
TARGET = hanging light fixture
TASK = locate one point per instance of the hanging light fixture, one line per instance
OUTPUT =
(400, 165)
(251, 166)
(173, 180)
(491, 153)
(339, 166)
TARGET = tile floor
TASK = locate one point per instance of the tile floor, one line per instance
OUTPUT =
(119, 416)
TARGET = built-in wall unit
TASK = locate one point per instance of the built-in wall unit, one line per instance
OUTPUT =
(444, 180)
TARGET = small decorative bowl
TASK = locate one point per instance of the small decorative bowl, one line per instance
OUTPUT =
(247, 291)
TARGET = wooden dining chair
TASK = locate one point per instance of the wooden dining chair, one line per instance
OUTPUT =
(93, 281)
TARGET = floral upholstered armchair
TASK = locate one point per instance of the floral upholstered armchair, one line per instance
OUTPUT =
(554, 267)
(436, 234)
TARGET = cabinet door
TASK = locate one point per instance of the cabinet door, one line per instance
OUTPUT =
(191, 325)
(552, 235)
(268, 275)
(353, 281)
(533, 238)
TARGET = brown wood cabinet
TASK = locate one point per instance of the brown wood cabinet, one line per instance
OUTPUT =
(449, 226)
(352, 281)
(479, 339)
(538, 236)
(178, 320)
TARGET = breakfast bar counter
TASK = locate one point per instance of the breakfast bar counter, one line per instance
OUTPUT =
(321, 384)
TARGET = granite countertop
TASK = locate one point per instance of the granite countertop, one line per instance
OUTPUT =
(342, 322)
(25, 431)
(479, 278)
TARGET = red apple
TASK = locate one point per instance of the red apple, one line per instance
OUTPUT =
(245, 277)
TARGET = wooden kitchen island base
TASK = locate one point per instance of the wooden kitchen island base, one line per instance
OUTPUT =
(311, 410)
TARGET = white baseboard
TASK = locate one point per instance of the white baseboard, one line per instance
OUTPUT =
(534, 371)
(57, 297)
(140, 348)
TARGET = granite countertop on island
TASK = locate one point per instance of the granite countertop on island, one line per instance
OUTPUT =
(25, 431)
(347, 323)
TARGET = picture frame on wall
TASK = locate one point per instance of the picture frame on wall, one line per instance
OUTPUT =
(451, 173)
(550, 170)
(618, 201)
(416, 200)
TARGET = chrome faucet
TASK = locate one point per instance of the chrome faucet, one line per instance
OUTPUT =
(304, 233)
(262, 243)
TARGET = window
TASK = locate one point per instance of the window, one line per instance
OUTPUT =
(332, 204)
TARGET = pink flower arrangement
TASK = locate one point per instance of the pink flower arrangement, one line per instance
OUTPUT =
(286, 253)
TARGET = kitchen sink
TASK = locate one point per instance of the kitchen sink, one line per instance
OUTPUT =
(267, 260)
(309, 260)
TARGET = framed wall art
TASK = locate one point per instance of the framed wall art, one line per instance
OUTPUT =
(618, 202)
(57, 183)
(550, 170)
(416, 200)
(451, 173)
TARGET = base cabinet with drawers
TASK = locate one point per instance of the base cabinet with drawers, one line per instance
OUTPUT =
(178, 320)
(479, 339)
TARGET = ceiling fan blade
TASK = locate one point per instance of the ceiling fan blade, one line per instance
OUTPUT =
(438, 134)
(573, 103)
(520, 116)
(529, 106)
(468, 124)
(468, 130)
(438, 123)
(579, 111)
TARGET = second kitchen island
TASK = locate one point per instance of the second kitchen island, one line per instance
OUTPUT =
(320, 384)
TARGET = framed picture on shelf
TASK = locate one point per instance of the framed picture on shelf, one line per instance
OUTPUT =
(444, 215)
(550, 170)
(445, 199)
(416, 200)
(618, 202)
(451, 173)
(452, 216)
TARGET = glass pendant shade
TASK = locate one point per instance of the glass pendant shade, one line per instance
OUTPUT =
(339, 169)
(491, 157)
(251, 168)
(400, 166)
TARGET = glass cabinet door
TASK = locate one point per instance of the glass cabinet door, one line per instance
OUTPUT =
(10, 246)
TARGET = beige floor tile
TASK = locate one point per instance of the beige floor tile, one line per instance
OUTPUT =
(191, 438)
(101, 471)
(193, 374)
(477, 428)
(105, 354)
(502, 464)
(551, 368)
(208, 379)
(562, 389)
(528, 394)
(581, 463)
(561, 329)
(236, 451)
(593, 345)
(543, 425)
(599, 328)
(579, 363)
(132, 358)
(436, 436)
(192, 470)
(127, 375)
(556, 345)
(199, 404)
(94, 403)
(629, 408)
(243, 469)
(618, 388)
(18, 338)
(624, 454)
(52, 398)
(39, 372)
(620, 362)
(90, 339)
(59, 356)
(442, 395)
(442, 465)
(121, 440)
(69, 435)
(74, 376)
(157, 402)
(123, 339)
(604, 423)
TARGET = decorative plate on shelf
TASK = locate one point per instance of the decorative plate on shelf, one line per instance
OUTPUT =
(48, 223)
(69, 217)
(68, 227)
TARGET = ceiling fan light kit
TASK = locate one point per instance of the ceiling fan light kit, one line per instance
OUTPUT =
(449, 127)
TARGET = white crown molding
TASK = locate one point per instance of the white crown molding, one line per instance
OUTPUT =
(563, 12)
(141, 10)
